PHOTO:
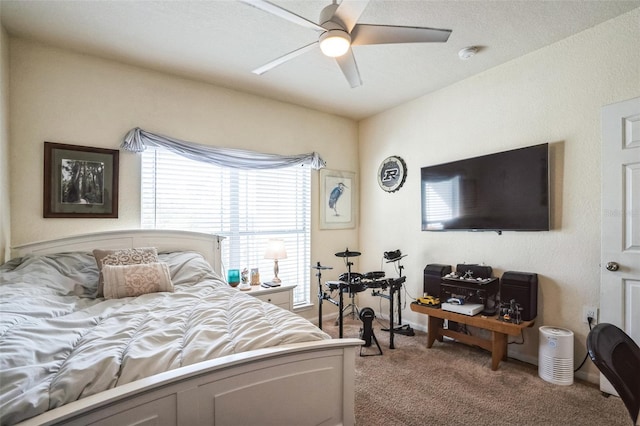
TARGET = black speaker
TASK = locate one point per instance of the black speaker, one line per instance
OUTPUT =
(433, 274)
(523, 288)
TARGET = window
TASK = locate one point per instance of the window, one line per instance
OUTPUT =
(247, 207)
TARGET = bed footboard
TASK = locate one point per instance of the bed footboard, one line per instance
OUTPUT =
(303, 384)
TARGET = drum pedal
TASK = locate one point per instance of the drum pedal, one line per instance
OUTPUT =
(366, 332)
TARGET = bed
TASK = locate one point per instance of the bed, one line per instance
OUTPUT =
(199, 352)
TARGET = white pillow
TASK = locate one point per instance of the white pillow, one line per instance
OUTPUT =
(132, 256)
(134, 280)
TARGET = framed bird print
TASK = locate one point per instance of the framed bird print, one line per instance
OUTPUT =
(337, 199)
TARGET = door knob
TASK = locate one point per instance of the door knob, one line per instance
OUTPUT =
(612, 266)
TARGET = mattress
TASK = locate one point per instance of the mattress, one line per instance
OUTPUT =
(59, 342)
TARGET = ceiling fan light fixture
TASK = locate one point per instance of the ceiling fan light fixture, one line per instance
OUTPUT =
(334, 43)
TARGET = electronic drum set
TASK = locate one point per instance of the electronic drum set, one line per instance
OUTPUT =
(353, 283)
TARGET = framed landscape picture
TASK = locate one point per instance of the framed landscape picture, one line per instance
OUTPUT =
(337, 199)
(80, 181)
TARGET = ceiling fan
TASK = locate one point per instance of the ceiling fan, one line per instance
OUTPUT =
(338, 30)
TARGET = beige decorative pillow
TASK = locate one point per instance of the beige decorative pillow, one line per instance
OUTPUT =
(133, 256)
(134, 280)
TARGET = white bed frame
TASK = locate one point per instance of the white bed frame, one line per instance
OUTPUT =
(301, 384)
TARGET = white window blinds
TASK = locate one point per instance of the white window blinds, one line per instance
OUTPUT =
(248, 207)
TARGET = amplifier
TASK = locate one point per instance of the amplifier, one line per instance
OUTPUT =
(483, 291)
(523, 288)
(476, 271)
(433, 274)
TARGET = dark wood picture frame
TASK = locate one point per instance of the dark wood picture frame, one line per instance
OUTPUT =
(80, 181)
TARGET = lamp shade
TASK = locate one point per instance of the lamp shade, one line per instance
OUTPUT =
(275, 250)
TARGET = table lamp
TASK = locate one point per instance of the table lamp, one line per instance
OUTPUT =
(275, 250)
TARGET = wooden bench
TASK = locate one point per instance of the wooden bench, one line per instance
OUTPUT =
(500, 330)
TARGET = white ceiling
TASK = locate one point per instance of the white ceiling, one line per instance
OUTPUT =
(222, 41)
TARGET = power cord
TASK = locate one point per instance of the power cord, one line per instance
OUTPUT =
(589, 320)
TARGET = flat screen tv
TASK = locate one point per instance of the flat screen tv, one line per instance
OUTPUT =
(506, 191)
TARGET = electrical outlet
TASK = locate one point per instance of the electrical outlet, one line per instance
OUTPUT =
(590, 312)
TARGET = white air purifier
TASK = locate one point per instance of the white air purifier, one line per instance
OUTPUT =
(555, 355)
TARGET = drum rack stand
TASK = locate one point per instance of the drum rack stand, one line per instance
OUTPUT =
(339, 303)
(395, 285)
(322, 296)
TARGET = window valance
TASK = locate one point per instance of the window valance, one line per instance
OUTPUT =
(137, 140)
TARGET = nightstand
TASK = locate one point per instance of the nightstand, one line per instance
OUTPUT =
(280, 296)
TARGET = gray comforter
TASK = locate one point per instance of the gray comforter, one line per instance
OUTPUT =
(59, 343)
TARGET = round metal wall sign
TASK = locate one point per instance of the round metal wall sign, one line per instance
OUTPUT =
(392, 173)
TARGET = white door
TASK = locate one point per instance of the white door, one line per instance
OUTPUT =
(620, 255)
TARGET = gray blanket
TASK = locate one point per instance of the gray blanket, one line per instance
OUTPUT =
(59, 343)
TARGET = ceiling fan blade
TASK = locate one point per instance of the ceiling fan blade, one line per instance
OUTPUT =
(283, 13)
(284, 58)
(349, 67)
(349, 11)
(381, 34)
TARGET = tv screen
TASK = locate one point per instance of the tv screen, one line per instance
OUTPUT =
(506, 191)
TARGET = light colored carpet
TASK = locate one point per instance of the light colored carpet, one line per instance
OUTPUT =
(452, 384)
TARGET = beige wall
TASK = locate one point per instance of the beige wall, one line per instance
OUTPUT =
(60, 96)
(5, 207)
(552, 95)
